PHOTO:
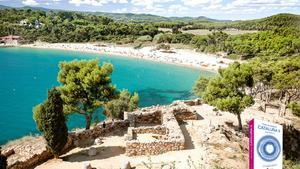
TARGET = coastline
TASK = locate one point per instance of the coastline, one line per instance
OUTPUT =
(180, 57)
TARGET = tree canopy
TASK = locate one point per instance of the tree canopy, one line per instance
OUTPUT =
(86, 86)
(66, 26)
(227, 91)
(125, 102)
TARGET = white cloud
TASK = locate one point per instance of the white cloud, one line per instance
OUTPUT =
(30, 2)
(122, 10)
(195, 2)
(149, 2)
(95, 2)
(269, 3)
(56, 0)
(150, 9)
(177, 8)
(88, 2)
(242, 6)
(162, 9)
(122, 1)
(202, 3)
(150, 6)
(260, 5)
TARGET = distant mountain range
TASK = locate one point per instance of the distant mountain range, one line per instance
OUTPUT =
(128, 16)
(27, 7)
(4, 7)
(154, 18)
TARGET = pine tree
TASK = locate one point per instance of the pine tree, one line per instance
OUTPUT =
(86, 87)
(227, 91)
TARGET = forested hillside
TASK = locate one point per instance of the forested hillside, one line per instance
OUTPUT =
(276, 42)
(279, 35)
(126, 17)
(68, 26)
(275, 21)
(268, 23)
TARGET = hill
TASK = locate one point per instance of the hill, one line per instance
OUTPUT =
(274, 21)
(4, 7)
(130, 17)
(268, 23)
(281, 20)
(127, 17)
(37, 8)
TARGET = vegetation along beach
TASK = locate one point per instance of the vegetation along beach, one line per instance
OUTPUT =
(146, 84)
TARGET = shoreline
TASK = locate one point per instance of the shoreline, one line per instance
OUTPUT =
(127, 52)
(181, 57)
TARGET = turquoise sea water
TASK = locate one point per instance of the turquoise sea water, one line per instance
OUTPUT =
(27, 74)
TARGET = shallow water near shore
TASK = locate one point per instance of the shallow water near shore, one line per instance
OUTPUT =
(26, 75)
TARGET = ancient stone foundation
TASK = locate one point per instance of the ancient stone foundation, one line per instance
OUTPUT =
(159, 123)
(98, 131)
(165, 136)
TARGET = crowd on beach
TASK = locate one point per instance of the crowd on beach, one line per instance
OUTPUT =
(182, 57)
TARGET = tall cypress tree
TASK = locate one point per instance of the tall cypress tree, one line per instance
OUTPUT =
(53, 122)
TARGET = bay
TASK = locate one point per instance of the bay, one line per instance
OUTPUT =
(26, 75)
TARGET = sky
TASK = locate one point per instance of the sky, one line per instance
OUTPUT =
(216, 9)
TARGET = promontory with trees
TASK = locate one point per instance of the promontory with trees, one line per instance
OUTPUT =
(267, 67)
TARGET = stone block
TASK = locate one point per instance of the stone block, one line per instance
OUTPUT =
(92, 151)
(125, 165)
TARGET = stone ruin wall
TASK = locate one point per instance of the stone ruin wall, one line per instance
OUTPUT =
(136, 148)
(172, 138)
(98, 131)
(144, 118)
(36, 158)
(184, 114)
(154, 130)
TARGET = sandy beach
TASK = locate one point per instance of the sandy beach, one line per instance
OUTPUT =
(183, 57)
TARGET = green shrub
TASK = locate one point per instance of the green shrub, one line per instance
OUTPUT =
(233, 56)
(165, 38)
(146, 38)
(163, 46)
(37, 116)
(125, 102)
(184, 38)
(157, 37)
(295, 108)
(139, 46)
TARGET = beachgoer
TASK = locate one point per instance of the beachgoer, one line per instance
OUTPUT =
(3, 161)
(103, 124)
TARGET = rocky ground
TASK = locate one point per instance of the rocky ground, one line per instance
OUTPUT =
(212, 141)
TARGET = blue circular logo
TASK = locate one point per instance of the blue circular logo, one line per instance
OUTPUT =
(268, 148)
